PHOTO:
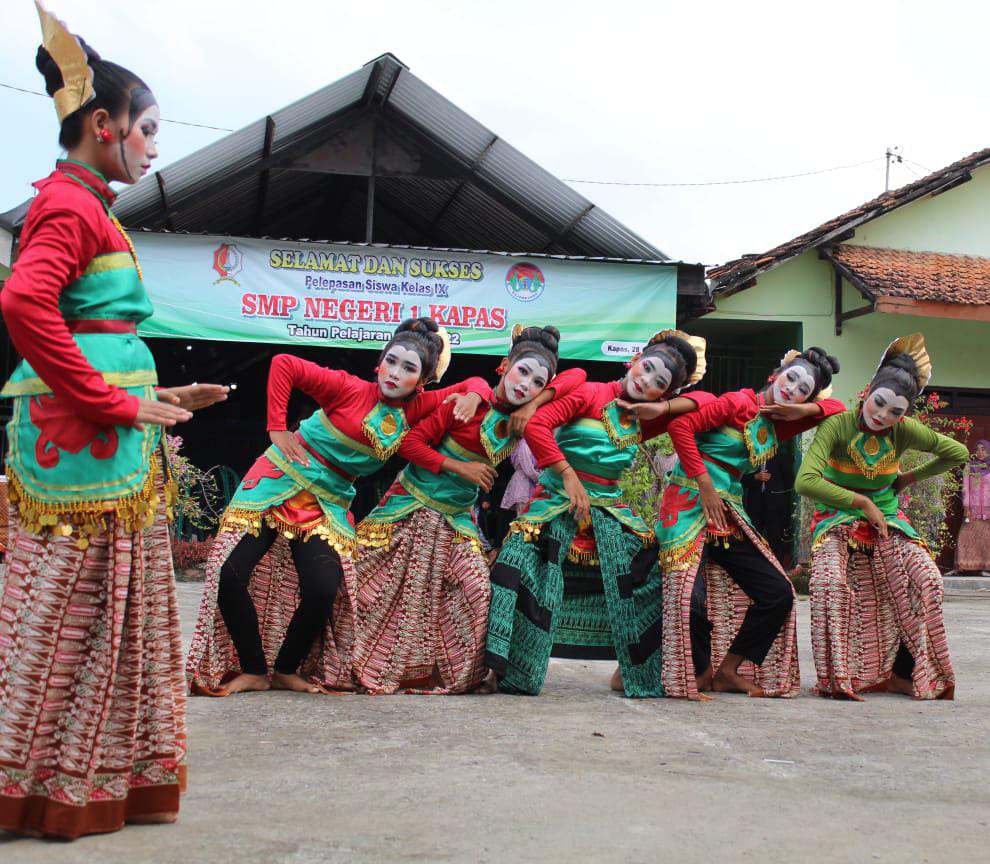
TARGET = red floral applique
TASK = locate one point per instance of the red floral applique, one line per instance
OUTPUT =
(262, 469)
(676, 500)
(62, 429)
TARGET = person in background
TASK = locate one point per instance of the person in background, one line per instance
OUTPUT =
(973, 544)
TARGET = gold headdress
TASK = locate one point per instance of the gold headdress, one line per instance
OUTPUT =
(696, 342)
(443, 361)
(792, 355)
(517, 330)
(70, 57)
(914, 346)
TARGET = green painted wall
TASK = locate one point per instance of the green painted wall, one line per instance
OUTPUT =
(957, 221)
(802, 290)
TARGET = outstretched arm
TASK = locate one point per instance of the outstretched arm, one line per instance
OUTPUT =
(948, 453)
(288, 373)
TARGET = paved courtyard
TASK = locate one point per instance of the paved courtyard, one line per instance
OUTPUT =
(578, 775)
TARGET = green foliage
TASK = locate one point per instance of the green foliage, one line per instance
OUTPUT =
(199, 501)
(642, 484)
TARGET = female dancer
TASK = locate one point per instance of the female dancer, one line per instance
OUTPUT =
(301, 490)
(423, 584)
(973, 543)
(746, 614)
(576, 577)
(92, 703)
(876, 594)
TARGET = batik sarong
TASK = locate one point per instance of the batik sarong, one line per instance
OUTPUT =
(869, 598)
(422, 604)
(92, 699)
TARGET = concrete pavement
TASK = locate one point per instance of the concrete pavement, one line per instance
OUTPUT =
(578, 775)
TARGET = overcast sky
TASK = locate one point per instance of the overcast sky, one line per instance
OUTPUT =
(635, 92)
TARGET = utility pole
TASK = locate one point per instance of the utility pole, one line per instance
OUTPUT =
(892, 154)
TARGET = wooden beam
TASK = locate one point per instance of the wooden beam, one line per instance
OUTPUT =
(933, 309)
(837, 282)
(266, 152)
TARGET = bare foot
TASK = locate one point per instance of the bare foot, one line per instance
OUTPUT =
(704, 680)
(489, 685)
(730, 681)
(154, 818)
(294, 682)
(245, 683)
(615, 682)
(897, 684)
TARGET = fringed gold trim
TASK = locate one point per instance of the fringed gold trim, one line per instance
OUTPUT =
(869, 471)
(382, 453)
(87, 519)
(496, 457)
(473, 541)
(618, 438)
(529, 530)
(587, 559)
(679, 557)
(374, 535)
(238, 520)
(757, 461)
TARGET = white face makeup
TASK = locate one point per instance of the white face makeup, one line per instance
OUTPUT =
(525, 380)
(399, 372)
(883, 408)
(648, 379)
(135, 152)
(793, 385)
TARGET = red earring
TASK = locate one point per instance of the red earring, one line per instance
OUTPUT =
(104, 136)
(377, 368)
(500, 369)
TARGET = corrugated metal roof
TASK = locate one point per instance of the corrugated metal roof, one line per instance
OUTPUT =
(489, 195)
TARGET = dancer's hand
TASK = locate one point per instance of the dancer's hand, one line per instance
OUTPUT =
(878, 522)
(520, 417)
(645, 410)
(712, 504)
(580, 503)
(790, 411)
(465, 405)
(155, 413)
(290, 447)
(192, 397)
(763, 476)
(482, 475)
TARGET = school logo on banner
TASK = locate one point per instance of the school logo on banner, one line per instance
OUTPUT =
(228, 262)
(524, 282)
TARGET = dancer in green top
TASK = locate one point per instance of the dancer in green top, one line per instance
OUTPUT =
(876, 594)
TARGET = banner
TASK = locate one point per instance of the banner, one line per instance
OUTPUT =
(274, 291)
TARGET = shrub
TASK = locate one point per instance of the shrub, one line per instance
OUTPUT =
(190, 553)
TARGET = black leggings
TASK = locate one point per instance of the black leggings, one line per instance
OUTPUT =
(763, 584)
(320, 572)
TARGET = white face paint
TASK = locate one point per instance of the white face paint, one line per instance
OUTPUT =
(883, 408)
(647, 379)
(399, 372)
(793, 385)
(525, 380)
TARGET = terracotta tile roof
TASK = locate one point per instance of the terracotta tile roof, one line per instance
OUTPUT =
(917, 275)
(734, 275)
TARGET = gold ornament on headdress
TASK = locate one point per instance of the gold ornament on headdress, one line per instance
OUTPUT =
(696, 342)
(517, 330)
(792, 355)
(913, 345)
(443, 361)
(68, 54)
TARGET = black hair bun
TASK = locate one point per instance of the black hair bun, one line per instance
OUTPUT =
(425, 328)
(47, 66)
(548, 337)
(826, 362)
(902, 361)
(684, 348)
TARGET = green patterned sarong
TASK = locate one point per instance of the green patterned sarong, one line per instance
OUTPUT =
(531, 609)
